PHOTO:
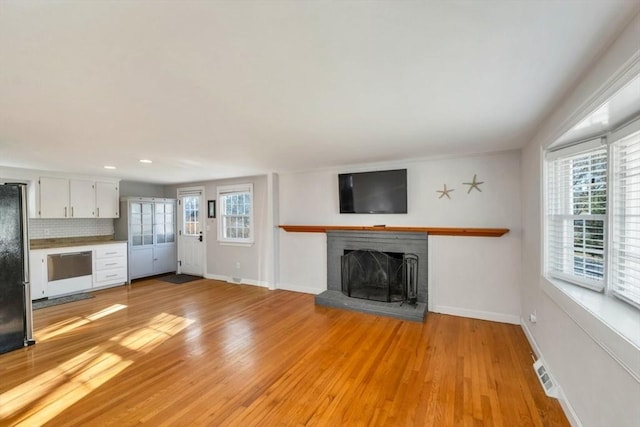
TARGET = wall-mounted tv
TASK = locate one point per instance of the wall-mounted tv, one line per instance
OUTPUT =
(380, 192)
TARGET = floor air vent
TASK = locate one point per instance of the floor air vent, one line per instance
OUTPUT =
(548, 383)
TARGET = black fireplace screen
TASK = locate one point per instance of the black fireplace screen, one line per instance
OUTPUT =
(380, 276)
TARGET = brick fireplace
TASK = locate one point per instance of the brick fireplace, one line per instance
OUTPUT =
(394, 259)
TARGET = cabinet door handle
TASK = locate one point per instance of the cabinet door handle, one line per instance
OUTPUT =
(111, 263)
(110, 253)
(65, 211)
(98, 211)
(71, 211)
(112, 275)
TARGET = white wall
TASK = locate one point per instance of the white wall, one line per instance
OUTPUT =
(142, 189)
(255, 260)
(597, 388)
(472, 276)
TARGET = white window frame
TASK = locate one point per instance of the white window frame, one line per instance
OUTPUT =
(608, 285)
(559, 214)
(222, 192)
(624, 274)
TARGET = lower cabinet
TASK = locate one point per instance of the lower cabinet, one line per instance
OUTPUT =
(108, 268)
(110, 265)
(38, 273)
(152, 260)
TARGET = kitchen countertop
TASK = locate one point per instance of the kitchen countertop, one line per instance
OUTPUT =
(63, 242)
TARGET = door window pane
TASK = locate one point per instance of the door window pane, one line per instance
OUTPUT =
(191, 205)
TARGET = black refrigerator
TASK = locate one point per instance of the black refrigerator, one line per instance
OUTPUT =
(15, 300)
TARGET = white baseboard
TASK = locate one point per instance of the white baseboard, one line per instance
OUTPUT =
(216, 277)
(568, 410)
(530, 338)
(298, 288)
(478, 314)
(229, 279)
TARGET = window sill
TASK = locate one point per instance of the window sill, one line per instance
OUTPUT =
(613, 324)
(227, 243)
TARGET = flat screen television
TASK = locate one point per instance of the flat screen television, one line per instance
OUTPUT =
(380, 192)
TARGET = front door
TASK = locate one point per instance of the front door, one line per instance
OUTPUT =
(191, 237)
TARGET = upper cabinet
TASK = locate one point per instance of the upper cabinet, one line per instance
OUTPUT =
(77, 198)
(107, 200)
(82, 199)
(54, 197)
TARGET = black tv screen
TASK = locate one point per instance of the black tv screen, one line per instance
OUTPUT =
(381, 192)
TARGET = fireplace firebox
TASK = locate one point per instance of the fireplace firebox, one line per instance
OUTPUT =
(379, 272)
(379, 276)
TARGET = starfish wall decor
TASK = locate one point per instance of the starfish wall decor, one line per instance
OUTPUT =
(474, 184)
(445, 192)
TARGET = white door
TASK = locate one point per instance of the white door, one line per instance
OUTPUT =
(191, 249)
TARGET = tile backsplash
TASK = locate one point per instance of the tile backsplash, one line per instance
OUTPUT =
(50, 228)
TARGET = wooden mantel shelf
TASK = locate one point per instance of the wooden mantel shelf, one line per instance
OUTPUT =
(434, 231)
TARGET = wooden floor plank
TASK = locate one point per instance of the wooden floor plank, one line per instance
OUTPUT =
(213, 353)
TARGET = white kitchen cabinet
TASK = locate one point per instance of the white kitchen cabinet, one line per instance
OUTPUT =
(107, 200)
(82, 198)
(149, 225)
(54, 197)
(77, 198)
(37, 273)
(110, 265)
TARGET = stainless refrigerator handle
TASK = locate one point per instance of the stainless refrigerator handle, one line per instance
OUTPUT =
(25, 232)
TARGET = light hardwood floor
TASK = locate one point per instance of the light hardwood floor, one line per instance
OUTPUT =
(211, 353)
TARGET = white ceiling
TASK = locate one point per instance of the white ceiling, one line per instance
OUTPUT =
(214, 89)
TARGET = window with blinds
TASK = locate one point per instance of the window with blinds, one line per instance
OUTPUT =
(625, 219)
(577, 215)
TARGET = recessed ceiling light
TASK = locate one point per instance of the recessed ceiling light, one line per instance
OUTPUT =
(145, 161)
(109, 167)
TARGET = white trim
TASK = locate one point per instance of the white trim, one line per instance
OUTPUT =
(223, 190)
(627, 72)
(261, 283)
(478, 314)
(567, 408)
(191, 191)
(575, 148)
(229, 279)
(627, 129)
(298, 288)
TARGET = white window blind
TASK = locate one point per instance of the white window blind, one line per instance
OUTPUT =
(625, 231)
(576, 216)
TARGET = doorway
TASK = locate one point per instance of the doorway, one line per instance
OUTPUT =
(191, 244)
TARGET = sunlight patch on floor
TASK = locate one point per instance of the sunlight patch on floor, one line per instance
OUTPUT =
(75, 322)
(50, 393)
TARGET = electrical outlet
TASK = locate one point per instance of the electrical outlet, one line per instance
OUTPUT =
(533, 317)
(238, 265)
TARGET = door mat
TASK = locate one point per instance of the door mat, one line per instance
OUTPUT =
(36, 305)
(179, 279)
